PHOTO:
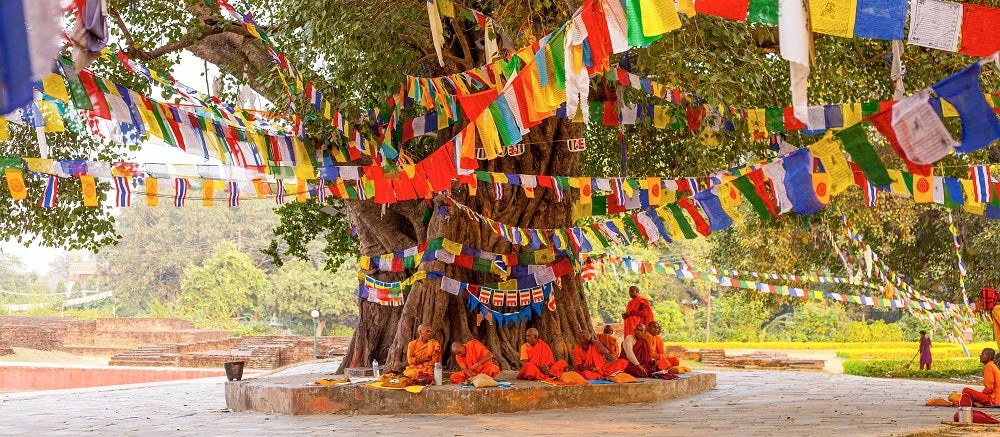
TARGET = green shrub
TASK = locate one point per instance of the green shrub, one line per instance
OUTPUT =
(894, 368)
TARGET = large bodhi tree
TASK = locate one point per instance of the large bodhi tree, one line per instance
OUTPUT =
(359, 52)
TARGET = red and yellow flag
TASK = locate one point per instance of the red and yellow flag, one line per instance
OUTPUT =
(89, 186)
(15, 182)
(152, 189)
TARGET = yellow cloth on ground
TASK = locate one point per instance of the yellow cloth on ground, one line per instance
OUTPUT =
(409, 388)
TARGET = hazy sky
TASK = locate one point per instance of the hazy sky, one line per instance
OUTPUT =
(190, 71)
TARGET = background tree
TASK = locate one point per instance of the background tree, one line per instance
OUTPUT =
(300, 287)
(225, 286)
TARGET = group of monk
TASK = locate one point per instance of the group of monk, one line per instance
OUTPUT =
(641, 353)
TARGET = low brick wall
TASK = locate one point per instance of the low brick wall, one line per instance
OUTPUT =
(51, 378)
(5, 349)
(296, 395)
(31, 337)
(143, 324)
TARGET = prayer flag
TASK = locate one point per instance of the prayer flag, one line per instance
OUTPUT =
(279, 195)
(923, 187)
(833, 17)
(637, 37)
(920, 132)
(181, 187)
(763, 11)
(979, 125)
(49, 194)
(152, 187)
(979, 35)
(29, 37)
(731, 9)
(799, 183)
(834, 162)
(935, 24)
(89, 188)
(855, 141)
(15, 183)
(981, 181)
(123, 192)
(880, 19)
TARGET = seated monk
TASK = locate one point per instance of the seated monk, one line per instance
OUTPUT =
(473, 359)
(990, 396)
(609, 340)
(422, 353)
(537, 361)
(635, 349)
(588, 357)
(662, 361)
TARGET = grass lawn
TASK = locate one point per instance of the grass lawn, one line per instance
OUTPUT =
(22, 355)
(901, 350)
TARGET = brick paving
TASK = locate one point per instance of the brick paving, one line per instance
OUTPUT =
(745, 403)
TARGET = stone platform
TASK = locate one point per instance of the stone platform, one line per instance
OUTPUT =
(295, 395)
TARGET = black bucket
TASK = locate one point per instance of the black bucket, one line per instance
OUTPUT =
(234, 370)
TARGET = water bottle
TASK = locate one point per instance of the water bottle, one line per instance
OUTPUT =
(375, 371)
(438, 373)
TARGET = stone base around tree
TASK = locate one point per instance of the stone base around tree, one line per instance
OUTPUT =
(296, 395)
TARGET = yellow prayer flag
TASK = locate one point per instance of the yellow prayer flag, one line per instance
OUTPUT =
(655, 191)
(451, 247)
(53, 121)
(544, 256)
(365, 263)
(15, 183)
(756, 124)
(488, 134)
(658, 17)
(301, 191)
(208, 192)
(923, 189)
(687, 7)
(305, 170)
(4, 134)
(446, 8)
(498, 178)
(89, 186)
(970, 204)
(152, 186)
(834, 162)
(661, 116)
(852, 114)
(54, 86)
(821, 185)
(669, 196)
(670, 223)
(258, 187)
(898, 185)
(833, 17)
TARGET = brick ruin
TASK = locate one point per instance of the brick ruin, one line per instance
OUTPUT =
(159, 342)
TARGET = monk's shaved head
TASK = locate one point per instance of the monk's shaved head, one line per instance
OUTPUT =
(458, 348)
(640, 329)
(531, 335)
(608, 329)
(424, 331)
(654, 328)
(583, 338)
(633, 291)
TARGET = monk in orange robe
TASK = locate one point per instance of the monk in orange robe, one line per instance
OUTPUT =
(473, 359)
(609, 341)
(537, 361)
(636, 311)
(588, 357)
(422, 353)
(663, 362)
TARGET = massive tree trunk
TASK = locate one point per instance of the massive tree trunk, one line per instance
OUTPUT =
(383, 332)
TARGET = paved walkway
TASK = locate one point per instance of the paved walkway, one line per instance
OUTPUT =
(745, 403)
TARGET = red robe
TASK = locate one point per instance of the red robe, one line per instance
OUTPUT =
(590, 363)
(638, 311)
(474, 351)
(538, 356)
(663, 362)
(642, 355)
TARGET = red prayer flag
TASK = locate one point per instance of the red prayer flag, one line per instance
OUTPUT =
(100, 104)
(731, 9)
(792, 123)
(977, 38)
(883, 122)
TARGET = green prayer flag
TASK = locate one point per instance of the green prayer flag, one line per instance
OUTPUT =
(763, 11)
(775, 119)
(435, 244)
(855, 141)
(76, 90)
(869, 108)
(682, 221)
(746, 187)
(908, 180)
(501, 129)
(559, 59)
(10, 162)
(599, 205)
(635, 36)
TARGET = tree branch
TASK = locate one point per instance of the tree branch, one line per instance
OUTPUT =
(121, 25)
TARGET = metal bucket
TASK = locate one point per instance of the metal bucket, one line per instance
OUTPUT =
(965, 414)
(234, 370)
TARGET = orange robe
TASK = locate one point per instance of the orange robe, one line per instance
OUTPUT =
(474, 351)
(590, 363)
(990, 395)
(418, 350)
(638, 311)
(538, 356)
(663, 362)
(611, 342)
